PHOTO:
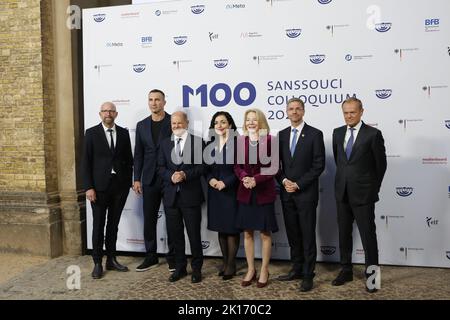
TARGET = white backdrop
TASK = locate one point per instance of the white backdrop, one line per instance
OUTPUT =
(231, 55)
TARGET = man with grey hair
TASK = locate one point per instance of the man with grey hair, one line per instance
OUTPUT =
(107, 171)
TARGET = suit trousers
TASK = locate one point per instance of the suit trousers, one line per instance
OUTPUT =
(365, 220)
(300, 222)
(192, 220)
(152, 194)
(109, 204)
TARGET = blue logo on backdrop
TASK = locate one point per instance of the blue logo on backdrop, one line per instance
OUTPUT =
(349, 57)
(205, 244)
(383, 93)
(158, 13)
(383, 27)
(447, 124)
(100, 17)
(139, 68)
(293, 33)
(146, 40)
(198, 9)
(180, 40)
(432, 22)
(221, 63)
(324, 1)
(317, 58)
(404, 191)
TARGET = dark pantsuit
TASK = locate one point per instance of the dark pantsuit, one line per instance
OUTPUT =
(109, 203)
(301, 216)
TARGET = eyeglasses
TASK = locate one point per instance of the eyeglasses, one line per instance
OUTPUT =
(108, 111)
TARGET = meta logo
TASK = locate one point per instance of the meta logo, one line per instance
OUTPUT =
(235, 6)
(348, 57)
(157, 13)
(328, 250)
(198, 9)
(293, 33)
(447, 124)
(114, 44)
(180, 40)
(99, 17)
(317, 58)
(221, 63)
(431, 222)
(227, 94)
(383, 93)
(324, 1)
(383, 27)
(139, 68)
(205, 244)
(404, 191)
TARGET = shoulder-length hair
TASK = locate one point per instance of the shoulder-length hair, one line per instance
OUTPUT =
(263, 125)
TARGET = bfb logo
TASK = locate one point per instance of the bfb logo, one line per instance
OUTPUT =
(146, 40)
(383, 93)
(317, 58)
(139, 68)
(431, 22)
(383, 27)
(404, 191)
(293, 33)
(205, 245)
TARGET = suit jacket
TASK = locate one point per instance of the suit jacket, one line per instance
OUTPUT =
(362, 174)
(98, 160)
(305, 166)
(146, 150)
(265, 184)
(189, 191)
(223, 169)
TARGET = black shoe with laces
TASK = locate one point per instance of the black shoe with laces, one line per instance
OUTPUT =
(147, 264)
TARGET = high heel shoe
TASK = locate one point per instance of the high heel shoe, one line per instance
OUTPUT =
(263, 284)
(245, 283)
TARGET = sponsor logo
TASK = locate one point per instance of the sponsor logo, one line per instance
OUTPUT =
(448, 50)
(146, 42)
(434, 160)
(205, 244)
(180, 40)
(404, 191)
(100, 67)
(272, 57)
(334, 27)
(404, 122)
(221, 63)
(447, 124)
(198, 9)
(349, 57)
(447, 254)
(388, 218)
(114, 44)
(121, 102)
(130, 15)
(317, 58)
(235, 6)
(135, 241)
(324, 1)
(213, 36)
(383, 93)
(164, 12)
(432, 25)
(99, 17)
(293, 33)
(429, 89)
(359, 252)
(328, 250)
(158, 13)
(246, 35)
(431, 222)
(139, 68)
(277, 245)
(401, 52)
(383, 26)
(178, 63)
(407, 251)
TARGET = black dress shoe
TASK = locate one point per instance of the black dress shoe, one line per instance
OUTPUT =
(97, 273)
(196, 277)
(221, 273)
(342, 278)
(113, 264)
(177, 275)
(292, 275)
(307, 285)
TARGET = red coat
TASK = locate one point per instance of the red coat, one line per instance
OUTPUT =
(265, 183)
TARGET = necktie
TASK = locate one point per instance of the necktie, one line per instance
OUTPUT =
(294, 141)
(348, 149)
(178, 147)
(112, 140)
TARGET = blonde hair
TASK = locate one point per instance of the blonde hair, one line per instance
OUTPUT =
(262, 121)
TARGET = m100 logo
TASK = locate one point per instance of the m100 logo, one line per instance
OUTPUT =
(238, 94)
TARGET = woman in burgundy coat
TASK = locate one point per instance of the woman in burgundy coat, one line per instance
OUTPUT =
(256, 193)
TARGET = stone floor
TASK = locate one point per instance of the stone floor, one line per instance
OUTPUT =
(36, 278)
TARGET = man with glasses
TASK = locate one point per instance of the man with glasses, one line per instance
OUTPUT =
(107, 176)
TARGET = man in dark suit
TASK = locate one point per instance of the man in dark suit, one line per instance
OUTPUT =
(107, 171)
(181, 168)
(360, 158)
(147, 182)
(302, 155)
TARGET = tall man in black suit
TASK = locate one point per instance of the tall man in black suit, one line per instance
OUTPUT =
(147, 182)
(181, 168)
(107, 172)
(302, 155)
(360, 158)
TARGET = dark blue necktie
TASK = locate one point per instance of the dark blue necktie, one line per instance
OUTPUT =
(112, 140)
(348, 149)
(294, 141)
